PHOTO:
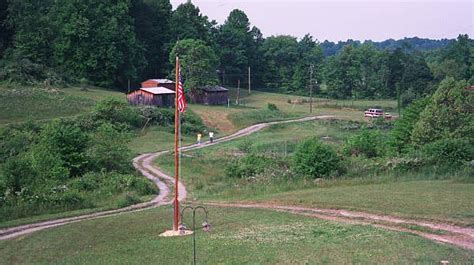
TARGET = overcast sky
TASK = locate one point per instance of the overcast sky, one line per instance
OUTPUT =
(350, 19)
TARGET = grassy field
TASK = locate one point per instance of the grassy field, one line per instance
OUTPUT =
(393, 194)
(237, 237)
(248, 112)
(18, 104)
(154, 139)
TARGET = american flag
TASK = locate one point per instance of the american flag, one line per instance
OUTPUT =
(180, 94)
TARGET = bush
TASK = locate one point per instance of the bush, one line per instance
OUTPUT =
(272, 107)
(449, 151)
(116, 111)
(369, 143)
(315, 160)
(109, 149)
(448, 114)
(157, 116)
(191, 123)
(68, 142)
(247, 166)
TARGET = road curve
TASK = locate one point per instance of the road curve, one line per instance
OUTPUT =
(452, 234)
(143, 164)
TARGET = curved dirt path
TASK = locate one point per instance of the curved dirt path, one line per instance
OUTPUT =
(143, 164)
(444, 233)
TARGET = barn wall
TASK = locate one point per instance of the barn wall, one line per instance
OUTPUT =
(210, 98)
(217, 98)
(141, 97)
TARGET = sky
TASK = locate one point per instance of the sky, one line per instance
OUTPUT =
(350, 19)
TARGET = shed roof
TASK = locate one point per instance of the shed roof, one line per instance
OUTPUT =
(213, 88)
(160, 81)
(157, 90)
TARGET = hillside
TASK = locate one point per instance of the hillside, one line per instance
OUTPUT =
(21, 103)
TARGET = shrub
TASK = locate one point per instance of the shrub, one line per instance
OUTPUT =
(67, 141)
(449, 151)
(109, 149)
(272, 107)
(369, 143)
(157, 116)
(400, 136)
(314, 159)
(117, 111)
(17, 173)
(448, 114)
(247, 166)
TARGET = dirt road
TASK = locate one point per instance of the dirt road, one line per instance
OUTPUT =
(143, 164)
(444, 233)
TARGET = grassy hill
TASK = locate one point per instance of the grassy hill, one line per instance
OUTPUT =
(22, 103)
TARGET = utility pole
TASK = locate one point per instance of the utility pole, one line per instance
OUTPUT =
(223, 77)
(249, 80)
(238, 93)
(311, 69)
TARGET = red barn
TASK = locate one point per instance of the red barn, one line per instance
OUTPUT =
(159, 83)
(153, 96)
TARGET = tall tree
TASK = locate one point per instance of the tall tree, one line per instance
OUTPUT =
(6, 32)
(152, 28)
(416, 81)
(34, 30)
(343, 73)
(456, 60)
(280, 54)
(309, 55)
(96, 41)
(198, 62)
(187, 22)
(396, 69)
(235, 46)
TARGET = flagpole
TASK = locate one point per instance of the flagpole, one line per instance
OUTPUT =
(176, 155)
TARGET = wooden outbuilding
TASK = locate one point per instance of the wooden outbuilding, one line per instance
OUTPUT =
(210, 95)
(169, 84)
(153, 96)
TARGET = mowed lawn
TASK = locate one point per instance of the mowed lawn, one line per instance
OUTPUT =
(237, 237)
(438, 200)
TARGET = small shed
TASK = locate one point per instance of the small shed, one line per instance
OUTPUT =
(169, 84)
(210, 95)
(153, 96)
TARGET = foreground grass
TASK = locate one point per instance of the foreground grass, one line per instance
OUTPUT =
(237, 237)
(438, 200)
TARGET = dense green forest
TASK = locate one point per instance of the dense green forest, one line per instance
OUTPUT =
(109, 43)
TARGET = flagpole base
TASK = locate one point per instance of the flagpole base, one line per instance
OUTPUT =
(171, 233)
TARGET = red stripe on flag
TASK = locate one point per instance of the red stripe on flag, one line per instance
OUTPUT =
(180, 95)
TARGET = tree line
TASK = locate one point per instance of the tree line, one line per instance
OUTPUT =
(110, 43)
